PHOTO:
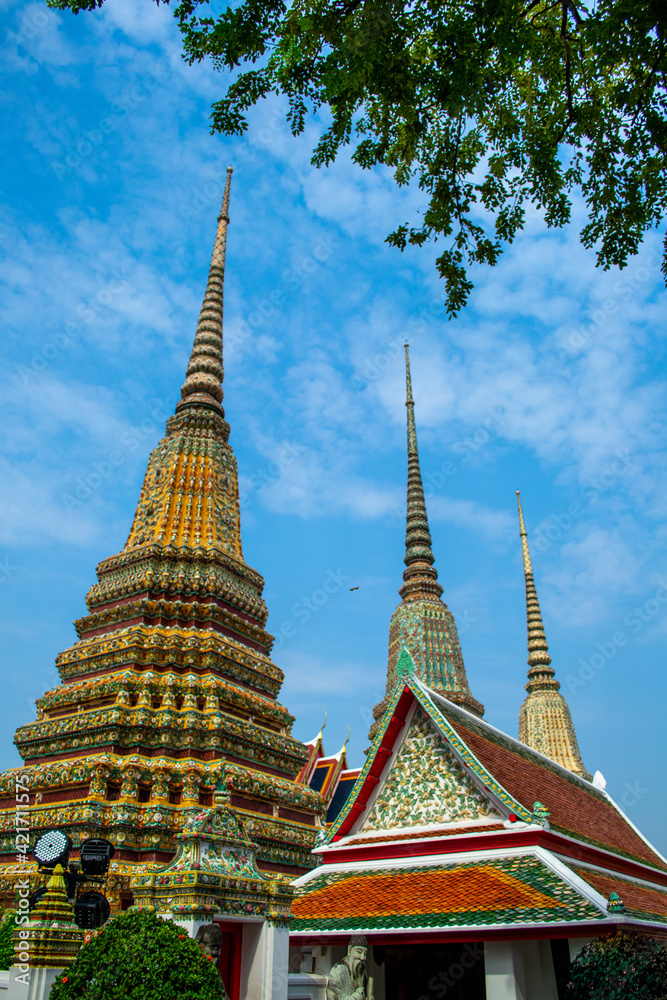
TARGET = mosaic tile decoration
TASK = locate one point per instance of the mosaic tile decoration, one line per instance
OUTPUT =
(426, 785)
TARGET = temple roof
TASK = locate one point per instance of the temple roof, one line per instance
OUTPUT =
(328, 775)
(637, 898)
(515, 889)
(577, 809)
(454, 826)
(494, 779)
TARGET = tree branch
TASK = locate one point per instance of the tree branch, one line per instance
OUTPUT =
(568, 76)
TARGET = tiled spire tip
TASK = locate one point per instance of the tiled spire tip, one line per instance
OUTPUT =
(203, 380)
(419, 557)
(539, 659)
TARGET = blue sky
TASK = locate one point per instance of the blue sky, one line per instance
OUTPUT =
(551, 382)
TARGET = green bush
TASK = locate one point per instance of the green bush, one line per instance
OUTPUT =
(138, 956)
(7, 925)
(619, 967)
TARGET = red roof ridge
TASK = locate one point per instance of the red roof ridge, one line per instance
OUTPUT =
(484, 724)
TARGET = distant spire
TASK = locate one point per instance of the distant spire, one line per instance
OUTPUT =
(203, 381)
(539, 660)
(545, 723)
(422, 633)
(420, 576)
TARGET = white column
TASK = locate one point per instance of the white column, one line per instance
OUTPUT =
(504, 971)
(539, 969)
(265, 962)
(38, 987)
(16, 987)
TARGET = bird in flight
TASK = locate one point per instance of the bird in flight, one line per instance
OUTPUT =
(354, 588)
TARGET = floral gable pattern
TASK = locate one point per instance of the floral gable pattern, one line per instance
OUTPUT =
(426, 785)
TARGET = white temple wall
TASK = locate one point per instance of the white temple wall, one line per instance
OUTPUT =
(38, 988)
(306, 986)
(503, 965)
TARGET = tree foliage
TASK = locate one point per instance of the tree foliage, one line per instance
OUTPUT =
(137, 956)
(492, 105)
(620, 967)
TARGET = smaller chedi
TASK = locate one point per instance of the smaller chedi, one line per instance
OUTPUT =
(54, 939)
(47, 945)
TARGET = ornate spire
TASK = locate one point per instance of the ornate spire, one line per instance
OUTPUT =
(190, 494)
(545, 723)
(420, 576)
(539, 661)
(422, 628)
(203, 380)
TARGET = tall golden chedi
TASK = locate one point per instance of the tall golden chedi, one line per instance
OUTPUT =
(170, 689)
(422, 623)
(545, 723)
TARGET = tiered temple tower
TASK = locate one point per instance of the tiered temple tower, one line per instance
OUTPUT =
(170, 690)
(422, 622)
(545, 723)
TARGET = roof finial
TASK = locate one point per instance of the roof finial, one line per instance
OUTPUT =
(203, 381)
(527, 565)
(420, 574)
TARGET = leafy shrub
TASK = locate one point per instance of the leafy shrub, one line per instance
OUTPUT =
(619, 967)
(7, 925)
(138, 956)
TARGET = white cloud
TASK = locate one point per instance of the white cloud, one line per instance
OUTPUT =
(597, 568)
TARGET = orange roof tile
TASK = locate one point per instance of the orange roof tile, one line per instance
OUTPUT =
(516, 889)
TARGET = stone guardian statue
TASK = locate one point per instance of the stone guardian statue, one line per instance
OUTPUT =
(347, 979)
